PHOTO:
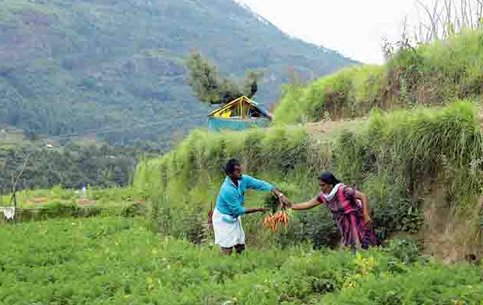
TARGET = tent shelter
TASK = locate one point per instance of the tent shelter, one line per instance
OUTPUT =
(239, 114)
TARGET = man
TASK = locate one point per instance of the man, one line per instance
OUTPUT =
(229, 207)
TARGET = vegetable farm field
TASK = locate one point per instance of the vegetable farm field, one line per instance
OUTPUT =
(115, 260)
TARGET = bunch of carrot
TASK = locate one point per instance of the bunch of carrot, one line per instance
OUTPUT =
(272, 221)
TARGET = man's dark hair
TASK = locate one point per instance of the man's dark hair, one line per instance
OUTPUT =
(230, 166)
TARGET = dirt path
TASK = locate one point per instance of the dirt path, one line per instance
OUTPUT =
(329, 126)
(324, 127)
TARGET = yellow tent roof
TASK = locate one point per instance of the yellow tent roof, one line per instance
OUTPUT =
(233, 104)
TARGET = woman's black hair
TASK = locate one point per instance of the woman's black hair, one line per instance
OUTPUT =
(230, 166)
(329, 178)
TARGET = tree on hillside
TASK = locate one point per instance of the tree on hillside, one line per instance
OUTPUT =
(210, 87)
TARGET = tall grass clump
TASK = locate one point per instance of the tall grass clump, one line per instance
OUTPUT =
(432, 74)
(189, 172)
(348, 93)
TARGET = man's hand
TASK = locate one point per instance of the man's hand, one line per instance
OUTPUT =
(255, 210)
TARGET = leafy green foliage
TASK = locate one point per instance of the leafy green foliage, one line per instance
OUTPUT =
(210, 87)
(117, 68)
(433, 74)
(118, 261)
(405, 250)
(70, 166)
(413, 288)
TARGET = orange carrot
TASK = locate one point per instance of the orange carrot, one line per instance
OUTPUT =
(272, 222)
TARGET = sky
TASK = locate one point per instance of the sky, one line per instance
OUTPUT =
(355, 28)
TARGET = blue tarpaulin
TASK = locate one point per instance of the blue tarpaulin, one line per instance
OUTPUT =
(218, 124)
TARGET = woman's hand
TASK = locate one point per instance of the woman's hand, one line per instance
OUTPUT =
(305, 206)
(285, 203)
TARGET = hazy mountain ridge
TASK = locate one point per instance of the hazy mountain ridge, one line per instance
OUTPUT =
(116, 66)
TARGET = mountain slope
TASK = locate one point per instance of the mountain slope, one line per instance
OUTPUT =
(80, 66)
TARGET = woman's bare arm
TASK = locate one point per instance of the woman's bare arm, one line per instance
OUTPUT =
(365, 205)
(306, 205)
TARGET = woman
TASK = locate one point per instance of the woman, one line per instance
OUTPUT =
(349, 208)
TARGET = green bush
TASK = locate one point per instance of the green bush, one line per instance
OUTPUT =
(405, 250)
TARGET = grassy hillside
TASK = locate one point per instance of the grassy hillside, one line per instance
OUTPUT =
(433, 74)
(409, 162)
(82, 66)
(119, 261)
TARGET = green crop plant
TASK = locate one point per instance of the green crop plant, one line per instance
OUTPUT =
(120, 261)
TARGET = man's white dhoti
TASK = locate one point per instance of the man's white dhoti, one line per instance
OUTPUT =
(228, 230)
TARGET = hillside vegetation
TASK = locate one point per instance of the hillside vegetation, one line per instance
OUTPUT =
(433, 74)
(120, 261)
(47, 163)
(409, 162)
(71, 166)
(117, 68)
(422, 166)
